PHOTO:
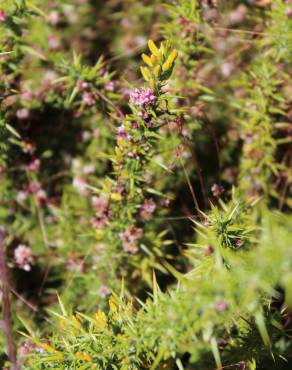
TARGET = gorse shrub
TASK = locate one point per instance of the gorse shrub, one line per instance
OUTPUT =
(145, 184)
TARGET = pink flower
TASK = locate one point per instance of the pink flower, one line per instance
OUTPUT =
(3, 15)
(110, 86)
(148, 207)
(82, 85)
(34, 187)
(54, 18)
(131, 234)
(100, 204)
(53, 41)
(221, 306)
(144, 96)
(75, 264)
(23, 257)
(98, 222)
(86, 135)
(22, 113)
(130, 247)
(27, 95)
(41, 196)
(217, 190)
(88, 98)
(88, 169)
(22, 195)
(80, 185)
(135, 125)
(121, 133)
(34, 165)
(103, 291)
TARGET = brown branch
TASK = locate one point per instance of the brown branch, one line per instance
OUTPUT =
(6, 321)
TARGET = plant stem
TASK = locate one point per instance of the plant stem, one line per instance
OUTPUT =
(6, 321)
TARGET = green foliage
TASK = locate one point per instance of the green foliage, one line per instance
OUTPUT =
(146, 185)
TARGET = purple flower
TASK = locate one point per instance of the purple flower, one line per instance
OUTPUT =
(144, 96)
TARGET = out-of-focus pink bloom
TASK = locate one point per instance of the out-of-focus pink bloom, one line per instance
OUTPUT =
(144, 96)
(54, 17)
(22, 195)
(166, 202)
(27, 347)
(22, 113)
(227, 68)
(34, 165)
(130, 247)
(289, 12)
(80, 185)
(131, 234)
(53, 41)
(217, 190)
(28, 147)
(99, 203)
(82, 85)
(75, 264)
(89, 169)
(98, 222)
(27, 95)
(135, 125)
(121, 133)
(143, 114)
(23, 257)
(110, 86)
(34, 187)
(132, 155)
(41, 196)
(96, 133)
(86, 135)
(238, 15)
(88, 98)
(148, 207)
(221, 306)
(3, 15)
(103, 291)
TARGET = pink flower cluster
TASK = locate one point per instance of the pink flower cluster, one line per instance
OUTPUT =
(144, 96)
(23, 257)
(147, 208)
(2, 15)
(100, 219)
(130, 237)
